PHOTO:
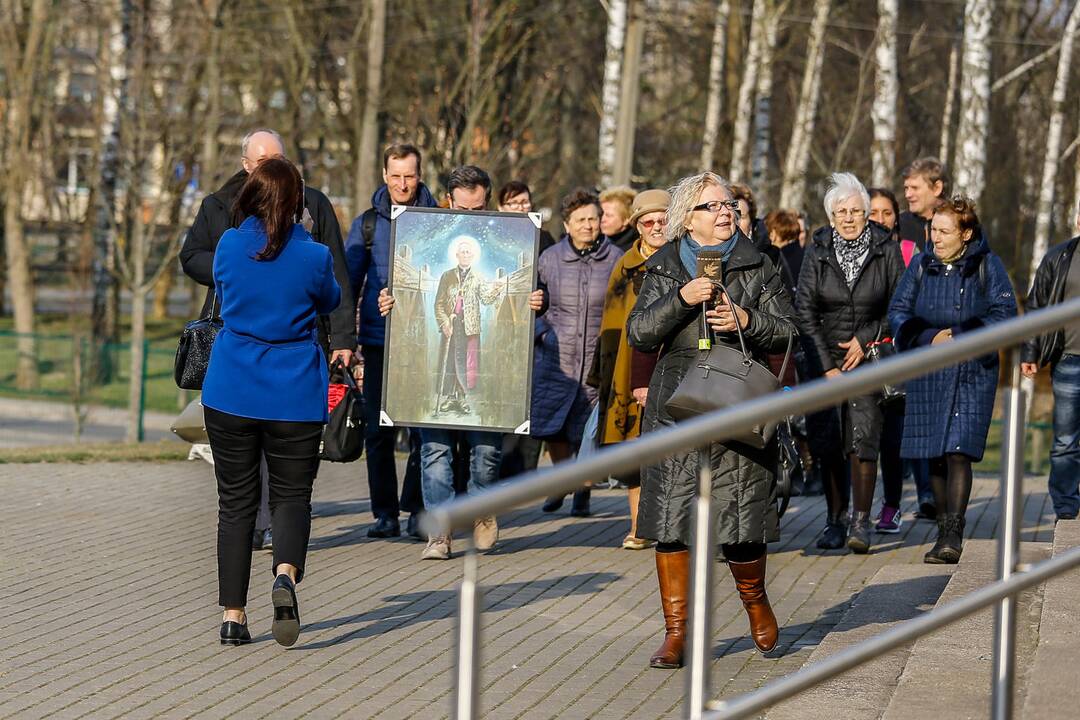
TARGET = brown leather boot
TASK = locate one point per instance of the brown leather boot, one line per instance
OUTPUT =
(750, 581)
(673, 571)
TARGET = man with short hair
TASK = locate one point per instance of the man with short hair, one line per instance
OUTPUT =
(468, 188)
(925, 184)
(368, 253)
(215, 217)
(1058, 280)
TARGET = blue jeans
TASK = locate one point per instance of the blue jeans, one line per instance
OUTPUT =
(1065, 452)
(436, 462)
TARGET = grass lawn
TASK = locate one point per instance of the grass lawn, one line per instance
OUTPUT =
(162, 451)
(56, 349)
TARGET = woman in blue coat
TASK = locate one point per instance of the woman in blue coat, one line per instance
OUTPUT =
(265, 389)
(958, 287)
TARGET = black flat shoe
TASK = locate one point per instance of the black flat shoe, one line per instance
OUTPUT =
(412, 527)
(384, 528)
(580, 506)
(553, 503)
(234, 633)
(286, 626)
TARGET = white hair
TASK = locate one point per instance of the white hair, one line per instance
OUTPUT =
(684, 196)
(247, 139)
(843, 185)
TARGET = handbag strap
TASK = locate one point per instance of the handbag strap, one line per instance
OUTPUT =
(742, 341)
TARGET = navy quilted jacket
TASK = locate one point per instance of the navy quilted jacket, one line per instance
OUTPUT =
(948, 411)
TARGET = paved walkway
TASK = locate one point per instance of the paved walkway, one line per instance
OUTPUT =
(108, 589)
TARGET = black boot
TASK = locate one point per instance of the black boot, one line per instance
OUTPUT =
(950, 540)
(813, 484)
(580, 506)
(834, 535)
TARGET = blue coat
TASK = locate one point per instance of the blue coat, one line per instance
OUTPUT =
(369, 271)
(566, 335)
(266, 362)
(948, 411)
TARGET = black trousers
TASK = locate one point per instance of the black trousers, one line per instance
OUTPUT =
(379, 444)
(291, 450)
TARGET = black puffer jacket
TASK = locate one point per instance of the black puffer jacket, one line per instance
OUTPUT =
(831, 313)
(744, 484)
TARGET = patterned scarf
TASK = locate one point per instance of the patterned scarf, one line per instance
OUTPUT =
(849, 253)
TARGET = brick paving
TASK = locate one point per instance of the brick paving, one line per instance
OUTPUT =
(108, 589)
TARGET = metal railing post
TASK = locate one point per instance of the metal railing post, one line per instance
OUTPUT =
(1012, 474)
(467, 673)
(697, 680)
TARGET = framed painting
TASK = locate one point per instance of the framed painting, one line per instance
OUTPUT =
(459, 341)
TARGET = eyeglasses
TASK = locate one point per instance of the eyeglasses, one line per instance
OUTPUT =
(519, 204)
(650, 224)
(714, 206)
(844, 213)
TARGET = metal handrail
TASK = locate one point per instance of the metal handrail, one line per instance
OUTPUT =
(723, 424)
(848, 658)
(808, 397)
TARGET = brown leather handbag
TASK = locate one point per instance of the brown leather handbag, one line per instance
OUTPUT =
(723, 376)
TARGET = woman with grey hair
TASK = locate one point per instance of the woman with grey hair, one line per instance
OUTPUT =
(851, 269)
(667, 318)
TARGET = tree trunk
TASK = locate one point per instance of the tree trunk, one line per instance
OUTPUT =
(793, 190)
(1075, 207)
(743, 115)
(974, 100)
(162, 289)
(369, 126)
(628, 95)
(212, 79)
(759, 163)
(713, 107)
(883, 111)
(1045, 208)
(21, 285)
(945, 146)
(609, 101)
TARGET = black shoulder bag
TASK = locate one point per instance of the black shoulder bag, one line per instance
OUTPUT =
(724, 376)
(193, 350)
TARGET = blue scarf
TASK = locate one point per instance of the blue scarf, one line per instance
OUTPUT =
(689, 249)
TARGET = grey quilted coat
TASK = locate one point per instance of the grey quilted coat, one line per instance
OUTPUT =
(744, 481)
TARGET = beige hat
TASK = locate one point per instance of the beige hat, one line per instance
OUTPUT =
(648, 201)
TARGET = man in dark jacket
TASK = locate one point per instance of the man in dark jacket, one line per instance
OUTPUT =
(367, 251)
(1058, 280)
(925, 184)
(215, 217)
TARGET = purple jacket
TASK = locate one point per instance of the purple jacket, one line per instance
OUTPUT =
(567, 334)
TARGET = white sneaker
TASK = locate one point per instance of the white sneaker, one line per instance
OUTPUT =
(438, 548)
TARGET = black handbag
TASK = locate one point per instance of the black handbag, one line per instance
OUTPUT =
(193, 350)
(723, 376)
(789, 468)
(881, 350)
(343, 436)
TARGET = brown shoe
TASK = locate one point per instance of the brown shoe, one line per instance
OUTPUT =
(485, 533)
(438, 548)
(673, 572)
(750, 581)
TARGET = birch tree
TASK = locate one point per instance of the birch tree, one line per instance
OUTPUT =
(1052, 158)
(26, 37)
(713, 104)
(609, 101)
(793, 188)
(759, 161)
(747, 87)
(974, 99)
(883, 111)
(945, 146)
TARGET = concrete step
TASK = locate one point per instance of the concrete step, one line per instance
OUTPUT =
(947, 674)
(1053, 684)
(894, 594)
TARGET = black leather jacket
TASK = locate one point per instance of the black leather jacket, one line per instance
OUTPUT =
(1048, 288)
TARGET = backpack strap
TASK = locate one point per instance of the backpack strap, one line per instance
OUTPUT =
(367, 228)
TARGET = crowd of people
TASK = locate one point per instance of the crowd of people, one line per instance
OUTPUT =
(622, 312)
